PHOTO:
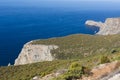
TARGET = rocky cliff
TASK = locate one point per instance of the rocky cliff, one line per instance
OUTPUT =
(35, 53)
(109, 27)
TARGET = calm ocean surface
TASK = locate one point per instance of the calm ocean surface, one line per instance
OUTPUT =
(20, 25)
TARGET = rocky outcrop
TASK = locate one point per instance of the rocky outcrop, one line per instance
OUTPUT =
(35, 53)
(9, 64)
(104, 71)
(115, 77)
(109, 27)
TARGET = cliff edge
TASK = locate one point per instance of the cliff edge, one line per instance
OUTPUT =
(109, 27)
(35, 53)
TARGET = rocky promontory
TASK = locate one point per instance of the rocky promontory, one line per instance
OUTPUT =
(109, 27)
(35, 53)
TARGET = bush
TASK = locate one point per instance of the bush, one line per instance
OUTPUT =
(75, 71)
(104, 59)
(113, 51)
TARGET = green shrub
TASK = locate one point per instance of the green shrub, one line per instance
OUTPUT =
(104, 59)
(113, 51)
(75, 71)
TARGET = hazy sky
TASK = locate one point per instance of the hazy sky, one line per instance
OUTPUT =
(66, 4)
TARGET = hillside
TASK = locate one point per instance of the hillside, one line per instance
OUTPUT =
(79, 46)
(83, 50)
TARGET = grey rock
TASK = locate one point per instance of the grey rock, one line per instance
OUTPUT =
(9, 64)
(36, 78)
(115, 75)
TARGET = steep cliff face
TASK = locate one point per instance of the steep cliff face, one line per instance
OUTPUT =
(110, 26)
(35, 53)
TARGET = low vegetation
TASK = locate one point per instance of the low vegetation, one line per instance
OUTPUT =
(76, 53)
(26, 72)
(75, 71)
(79, 45)
(76, 68)
(104, 59)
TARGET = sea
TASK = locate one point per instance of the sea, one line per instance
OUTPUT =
(20, 25)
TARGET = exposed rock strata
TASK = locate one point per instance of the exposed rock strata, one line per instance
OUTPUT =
(115, 77)
(35, 53)
(102, 71)
(109, 27)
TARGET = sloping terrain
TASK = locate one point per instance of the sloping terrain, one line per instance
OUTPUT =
(85, 50)
(79, 45)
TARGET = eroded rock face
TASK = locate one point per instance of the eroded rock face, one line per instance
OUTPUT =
(104, 71)
(109, 27)
(115, 77)
(35, 53)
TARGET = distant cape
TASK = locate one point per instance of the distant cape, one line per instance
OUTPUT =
(109, 27)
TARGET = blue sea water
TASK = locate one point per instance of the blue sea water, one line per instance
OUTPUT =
(20, 25)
